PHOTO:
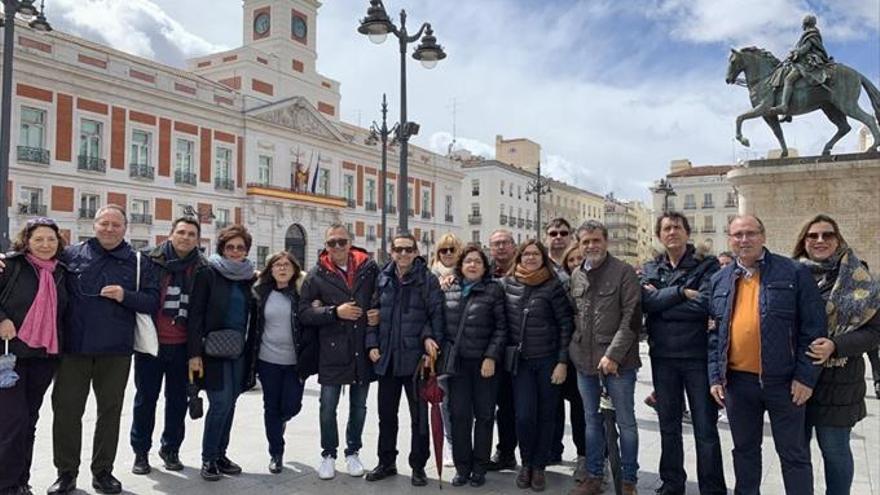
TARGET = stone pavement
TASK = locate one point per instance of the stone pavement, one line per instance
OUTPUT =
(249, 448)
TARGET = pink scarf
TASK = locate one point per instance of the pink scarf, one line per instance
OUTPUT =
(39, 328)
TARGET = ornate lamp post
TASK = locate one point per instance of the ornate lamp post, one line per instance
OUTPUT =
(377, 25)
(539, 186)
(27, 10)
(381, 133)
(664, 187)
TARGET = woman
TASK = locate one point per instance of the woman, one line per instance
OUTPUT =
(221, 314)
(539, 321)
(572, 258)
(278, 343)
(33, 300)
(475, 332)
(443, 263)
(853, 301)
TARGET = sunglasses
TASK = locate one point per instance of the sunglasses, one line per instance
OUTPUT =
(557, 233)
(404, 249)
(446, 250)
(821, 236)
(333, 243)
(235, 247)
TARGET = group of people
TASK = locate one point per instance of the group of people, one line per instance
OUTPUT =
(514, 335)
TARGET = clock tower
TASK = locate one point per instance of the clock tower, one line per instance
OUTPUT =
(282, 27)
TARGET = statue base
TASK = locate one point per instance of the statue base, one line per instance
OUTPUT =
(786, 192)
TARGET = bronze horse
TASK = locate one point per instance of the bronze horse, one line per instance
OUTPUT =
(838, 98)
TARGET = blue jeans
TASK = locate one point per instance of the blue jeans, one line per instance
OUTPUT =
(357, 414)
(622, 389)
(535, 402)
(171, 363)
(837, 457)
(282, 400)
(221, 411)
(672, 379)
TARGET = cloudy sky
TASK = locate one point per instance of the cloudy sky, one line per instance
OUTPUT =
(612, 90)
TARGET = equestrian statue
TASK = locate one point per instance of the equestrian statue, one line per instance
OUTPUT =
(810, 80)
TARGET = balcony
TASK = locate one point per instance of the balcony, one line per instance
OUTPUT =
(449, 218)
(708, 205)
(371, 237)
(426, 215)
(141, 171)
(184, 177)
(731, 203)
(91, 164)
(520, 222)
(33, 155)
(224, 184)
(87, 213)
(350, 202)
(528, 225)
(502, 220)
(370, 206)
(391, 210)
(690, 206)
(221, 224)
(708, 230)
(32, 209)
(475, 219)
(412, 212)
(141, 219)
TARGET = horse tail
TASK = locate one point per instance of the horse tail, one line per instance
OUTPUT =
(873, 95)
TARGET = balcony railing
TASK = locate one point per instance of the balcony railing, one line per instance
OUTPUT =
(224, 184)
(690, 206)
(142, 218)
(221, 224)
(426, 215)
(730, 204)
(87, 213)
(141, 171)
(183, 177)
(32, 209)
(528, 224)
(502, 220)
(371, 237)
(708, 230)
(91, 163)
(475, 219)
(370, 206)
(350, 202)
(33, 155)
(520, 222)
(708, 205)
(449, 218)
(390, 209)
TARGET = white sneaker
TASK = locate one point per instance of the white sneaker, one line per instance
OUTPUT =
(327, 469)
(355, 468)
(447, 455)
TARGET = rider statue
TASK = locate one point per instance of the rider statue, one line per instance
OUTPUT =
(808, 59)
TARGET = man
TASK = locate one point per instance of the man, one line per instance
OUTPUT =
(605, 351)
(808, 59)
(675, 292)
(768, 310)
(411, 325)
(503, 249)
(97, 347)
(337, 297)
(177, 260)
(725, 258)
(557, 238)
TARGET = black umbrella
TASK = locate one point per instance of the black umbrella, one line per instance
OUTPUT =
(609, 420)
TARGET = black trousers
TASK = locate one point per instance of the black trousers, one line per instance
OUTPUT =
(390, 388)
(472, 406)
(569, 392)
(874, 358)
(19, 412)
(505, 416)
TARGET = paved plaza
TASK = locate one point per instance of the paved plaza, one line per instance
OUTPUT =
(248, 447)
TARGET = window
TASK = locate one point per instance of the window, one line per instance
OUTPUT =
(475, 236)
(689, 202)
(511, 190)
(731, 201)
(323, 181)
(90, 138)
(502, 187)
(264, 171)
(262, 254)
(448, 206)
(222, 218)
(708, 224)
(88, 205)
(371, 192)
(519, 192)
(140, 244)
(31, 201)
(140, 148)
(350, 229)
(390, 196)
(409, 200)
(223, 167)
(184, 171)
(475, 187)
(707, 201)
(475, 209)
(348, 188)
(139, 212)
(371, 232)
(32, 131)
(426, 204)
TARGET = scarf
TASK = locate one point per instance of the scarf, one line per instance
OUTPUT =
(440, 270)
(466, 286)
(231, 269)
(852, 296)
(533, 278)
(176, 303)
(40, 326)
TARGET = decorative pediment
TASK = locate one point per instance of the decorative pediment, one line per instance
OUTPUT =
(298, 114)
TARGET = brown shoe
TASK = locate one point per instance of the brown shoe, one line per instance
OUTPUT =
(524, 478)
(539, 481)
(630, 488)
(590, 486)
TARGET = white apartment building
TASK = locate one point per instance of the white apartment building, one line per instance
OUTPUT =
(496, 197)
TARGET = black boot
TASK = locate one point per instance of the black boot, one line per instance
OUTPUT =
(104, 482)
(141, 464)
(171, 460)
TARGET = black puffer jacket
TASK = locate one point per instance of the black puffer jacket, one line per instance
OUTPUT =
(542, 315)
(485, 320)
(261, 295)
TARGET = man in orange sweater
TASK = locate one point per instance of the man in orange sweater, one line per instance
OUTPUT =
(767, 310)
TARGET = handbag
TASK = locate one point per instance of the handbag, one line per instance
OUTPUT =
(513, 352)
(226, 343)
(146, 339)
(449, 365)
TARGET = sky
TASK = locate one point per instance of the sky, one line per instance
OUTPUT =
(612, 90)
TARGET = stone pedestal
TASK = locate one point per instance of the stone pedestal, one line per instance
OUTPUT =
(785, 193)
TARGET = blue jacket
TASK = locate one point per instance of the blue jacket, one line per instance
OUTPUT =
(792, 316)
(677, 325)
(97, 325)
(411, 310)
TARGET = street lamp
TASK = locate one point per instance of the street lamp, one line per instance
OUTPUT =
(664, 187)
(538, 186)
(377, 25)
(381, 133)
(38, 22)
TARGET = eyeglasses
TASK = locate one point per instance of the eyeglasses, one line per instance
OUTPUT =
(404, 249)
(448, 250)
(531, 254)
(821, 236)
(333, 243)
(501, 243)
(741, 236)
(557, 233)
(235, 247)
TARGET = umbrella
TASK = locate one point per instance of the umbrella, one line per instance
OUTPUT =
(606, 407)
(8, 376)
(429, 391)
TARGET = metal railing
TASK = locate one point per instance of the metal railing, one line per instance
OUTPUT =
(32, 209)
(502, 219)
(87, 213)
(426, 214)
(141, 218)
(350, 202)
(391, 209)
(475, 219)
(91, 163)
(520, 222)
(182, 177)
(450, 218)
(33, 155)
(224, 184)
(142, 171)
(221, 224)
(370, 206)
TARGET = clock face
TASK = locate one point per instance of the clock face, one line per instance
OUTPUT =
(298, 27)
(261, 23)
